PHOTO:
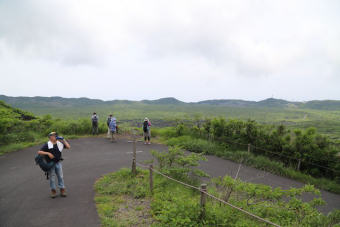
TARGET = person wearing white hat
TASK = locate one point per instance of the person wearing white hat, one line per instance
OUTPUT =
(146, 131)
(52, 151)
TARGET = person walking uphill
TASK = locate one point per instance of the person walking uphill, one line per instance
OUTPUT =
(94, 119)
(52, 152)
(146, 130)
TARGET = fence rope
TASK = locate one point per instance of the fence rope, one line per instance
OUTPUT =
(210, 195)
(292, 158)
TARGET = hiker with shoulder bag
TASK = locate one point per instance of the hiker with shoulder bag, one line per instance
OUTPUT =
(49, 159)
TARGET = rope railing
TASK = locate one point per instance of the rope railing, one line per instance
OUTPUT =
(180, 182)
(210, 195)
(203, 186)
(285, 156)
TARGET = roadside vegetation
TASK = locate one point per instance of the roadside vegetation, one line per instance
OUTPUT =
(20, 129)
(124, 199)
(303, 155)
(323, 115)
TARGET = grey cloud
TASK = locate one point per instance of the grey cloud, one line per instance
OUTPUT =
(206, 43)
(42, 29)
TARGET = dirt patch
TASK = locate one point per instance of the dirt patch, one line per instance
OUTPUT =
(134, 212)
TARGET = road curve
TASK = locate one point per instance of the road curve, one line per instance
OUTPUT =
(24, 191)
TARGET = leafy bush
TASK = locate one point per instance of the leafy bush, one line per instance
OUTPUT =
(194, 145)
(173, 204)
(316, 152)
(166, 132)
(251, 159)
(179, 165)
(18, 126)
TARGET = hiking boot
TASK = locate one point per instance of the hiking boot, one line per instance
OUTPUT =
(63, 192)
(53, 193)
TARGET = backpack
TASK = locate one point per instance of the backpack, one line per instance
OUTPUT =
(145, 126)
(108, 121)
(95, 120)
(113, 125)
(43, 164)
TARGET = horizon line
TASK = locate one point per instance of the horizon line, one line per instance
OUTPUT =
(141, 100)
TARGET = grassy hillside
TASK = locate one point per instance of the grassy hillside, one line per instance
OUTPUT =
(19, 129)
(324, 115)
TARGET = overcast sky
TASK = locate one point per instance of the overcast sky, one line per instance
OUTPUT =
(191, 50)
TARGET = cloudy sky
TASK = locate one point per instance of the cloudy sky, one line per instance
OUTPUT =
(191, 50)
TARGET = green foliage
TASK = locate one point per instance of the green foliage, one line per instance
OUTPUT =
(166, 132)
(254, 159)
(20, 129)
(323, 115)
(281, 206)
(179, 165)
(173, 204)
(123, 183)
(194, 144)
(113, 191)
(317, 153)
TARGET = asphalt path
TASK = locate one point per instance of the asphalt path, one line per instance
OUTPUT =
(24, 190)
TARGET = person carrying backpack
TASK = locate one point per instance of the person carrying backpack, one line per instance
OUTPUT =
(108, 125)
(113, 128)
(52, 153)
(146, 130)
(94, 119)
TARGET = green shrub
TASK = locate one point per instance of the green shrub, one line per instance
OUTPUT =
(166, 132)
(250, 159)
(194, 145)
(179, 165)
(18, 128)
(173, 204)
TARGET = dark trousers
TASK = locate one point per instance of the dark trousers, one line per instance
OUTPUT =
(94, 129)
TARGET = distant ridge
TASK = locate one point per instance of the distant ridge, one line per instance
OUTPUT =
(166, 101)
(228, 102)
(56, 101)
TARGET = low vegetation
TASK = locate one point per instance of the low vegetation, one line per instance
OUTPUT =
(319, 159)
(172, 204)
(19, 129)
(280, 152)
(323, 115)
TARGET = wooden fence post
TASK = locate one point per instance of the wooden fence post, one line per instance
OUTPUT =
(299, 165)
(203, 200)
(151, 178)
(134, 170)
(249, 147)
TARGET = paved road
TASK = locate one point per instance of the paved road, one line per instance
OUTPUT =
(24, 192)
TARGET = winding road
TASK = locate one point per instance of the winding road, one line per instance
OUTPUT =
(24, 190)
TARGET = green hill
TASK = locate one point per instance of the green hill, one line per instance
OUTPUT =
(14, 113)
(324, 115)
(164, 101)
(16, 126)
(19, 128)
(38, 101)
(323, 105)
